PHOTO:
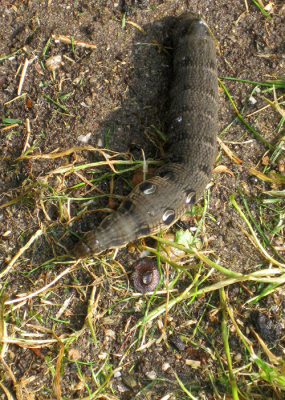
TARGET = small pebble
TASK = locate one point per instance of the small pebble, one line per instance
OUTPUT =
(73, 354)
(88, 101)
(53, 63)
(84, 138)
(151, 375)
(278, 241)
(6, 234)
(252, 100)
(100, 142)
(165, 367)
(110, 333)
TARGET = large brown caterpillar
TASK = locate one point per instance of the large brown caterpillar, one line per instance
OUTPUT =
(157, 203)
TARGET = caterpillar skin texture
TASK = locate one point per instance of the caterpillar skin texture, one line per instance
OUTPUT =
(159, 202)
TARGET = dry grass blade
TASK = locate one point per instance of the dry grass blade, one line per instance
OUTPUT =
(229, 152)
(264, 177)
(6, 391)
(92, 307)
(275, 103)
(270, 355)
(3, 298)
(137, 26)
(43, 289)
(28, 128)
(20, 252)
(56, 381)
(225, 337)
(55, 154)
(257, 242)
(29, 344)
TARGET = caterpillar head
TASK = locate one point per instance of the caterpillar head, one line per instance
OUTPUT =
(89, 245)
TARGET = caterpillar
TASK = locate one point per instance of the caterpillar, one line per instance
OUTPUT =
(159, 202)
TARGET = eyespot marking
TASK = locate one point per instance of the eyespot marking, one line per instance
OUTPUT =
(168, 217)
(147, 277)
(190, 197)
(148, 188)
(166, 175)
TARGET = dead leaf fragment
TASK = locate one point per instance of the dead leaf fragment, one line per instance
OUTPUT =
(137, 26)
(229, 153)
(274, 178)
(265, 160)
(223, 168)
(193, 363)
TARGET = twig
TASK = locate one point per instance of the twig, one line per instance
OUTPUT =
(29, 296)
(23, 74)
(9, 127)
(28, 128)
(67, 39)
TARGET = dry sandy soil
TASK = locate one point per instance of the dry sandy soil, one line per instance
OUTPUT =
(114, 95)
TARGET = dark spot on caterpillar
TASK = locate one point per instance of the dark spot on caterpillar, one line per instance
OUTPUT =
(206, 169)
(148, 188)
(212, 93)
(144, 230)
(212, 65)
(190, 197)
(145, 276)
(210, 140)
(168, 217)
(126, 205)
(175, 158)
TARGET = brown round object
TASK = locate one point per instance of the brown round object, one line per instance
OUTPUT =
(145, 276)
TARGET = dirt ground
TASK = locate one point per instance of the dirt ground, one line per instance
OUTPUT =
(115, 95)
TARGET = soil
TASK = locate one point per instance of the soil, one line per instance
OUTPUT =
(116, 96)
